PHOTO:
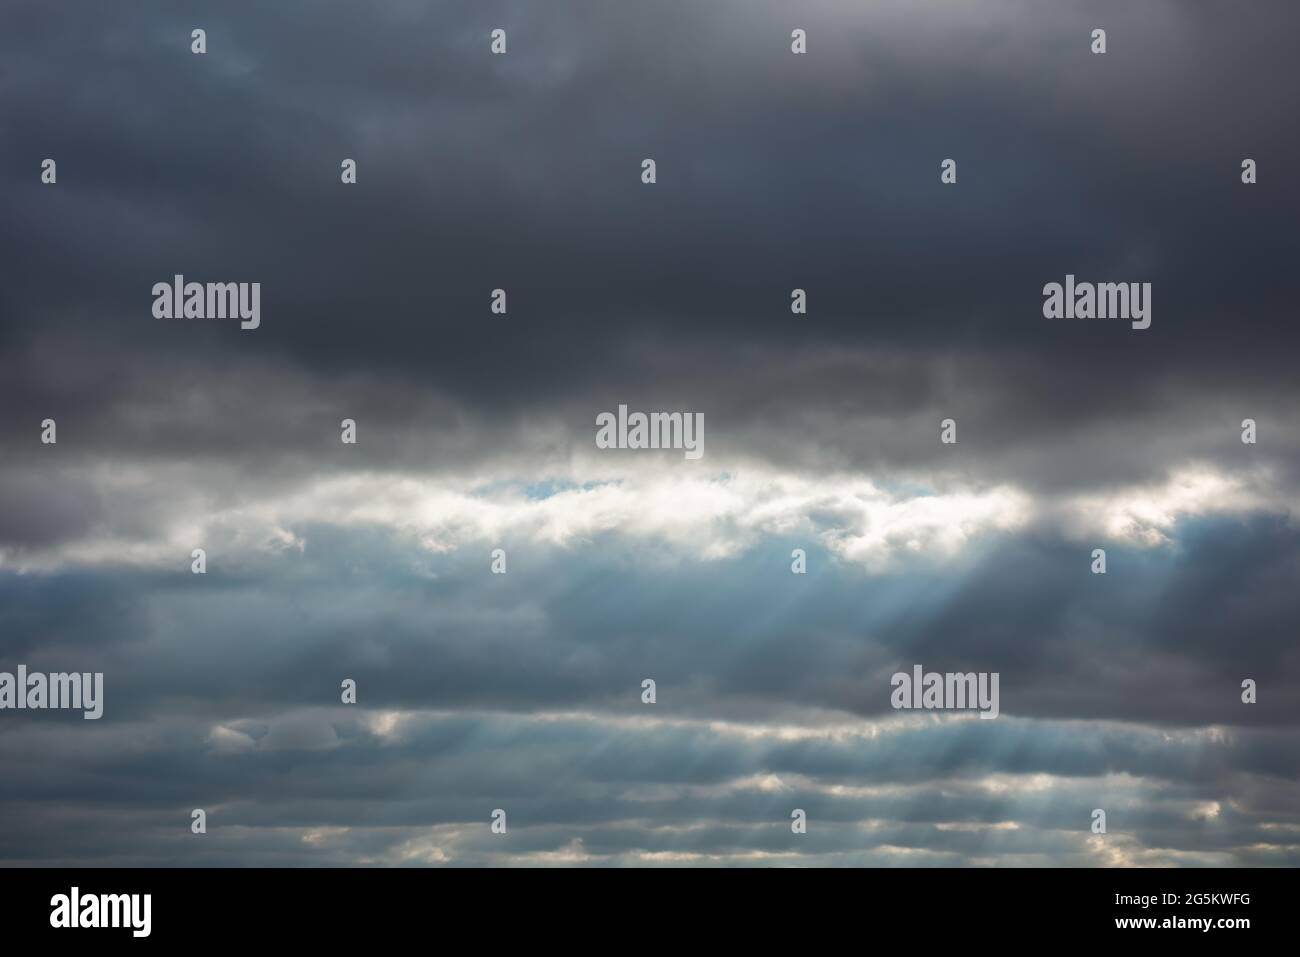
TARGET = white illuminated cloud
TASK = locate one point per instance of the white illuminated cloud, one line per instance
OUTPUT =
(709, 515)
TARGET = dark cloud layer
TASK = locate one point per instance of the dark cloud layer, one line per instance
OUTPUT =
(820, 172)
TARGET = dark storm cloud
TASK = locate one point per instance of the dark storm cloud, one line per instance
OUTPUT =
(43, 509)
(808, 409)
(776, 171)
(521, 171)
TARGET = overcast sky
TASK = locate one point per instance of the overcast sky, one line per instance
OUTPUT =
(475, 431)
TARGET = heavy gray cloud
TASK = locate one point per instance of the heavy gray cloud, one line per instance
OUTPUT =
(522, 691)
